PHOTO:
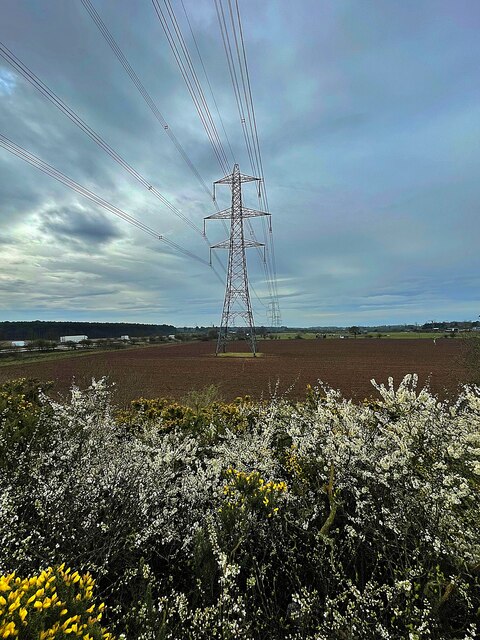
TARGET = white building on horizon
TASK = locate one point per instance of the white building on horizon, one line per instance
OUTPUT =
(73, 338)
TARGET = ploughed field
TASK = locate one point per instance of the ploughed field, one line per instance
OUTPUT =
(288, 365)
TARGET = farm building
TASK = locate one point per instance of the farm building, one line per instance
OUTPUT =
(18, 343)
(72, 338)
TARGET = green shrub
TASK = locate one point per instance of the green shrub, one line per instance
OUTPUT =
(20, 408)
(199, 414)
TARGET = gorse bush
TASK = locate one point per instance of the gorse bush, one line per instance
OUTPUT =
(20, 408)
(57, 603)
(248, 491)
(206, 421)
(318, 520)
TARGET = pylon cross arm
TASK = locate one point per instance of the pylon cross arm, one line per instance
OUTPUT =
(253, 243)
(225, 244)
(242, 177)
(252, 213)
(226, 180)
(225, 213)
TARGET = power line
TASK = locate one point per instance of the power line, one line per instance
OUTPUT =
(207, 78)
(141, 88)
(93, 13)
(187, 69)
(194, 74)
(238, 98)
(249, 107)
(93, 135)
(236, 89)
(235, 83)
(46, 168)
(233, 73)
(183, 59)
(255, 130)
(189, 74)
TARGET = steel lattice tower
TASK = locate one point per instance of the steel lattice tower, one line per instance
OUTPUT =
(237, 297)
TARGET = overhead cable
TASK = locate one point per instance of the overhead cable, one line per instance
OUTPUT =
(171, 28)
(75, 118)
(93, 13)
(141, 88)
(257, 144)
(46, 168)
(197, 48)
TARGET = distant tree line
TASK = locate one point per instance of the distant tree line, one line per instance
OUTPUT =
(46, 330)
(442, 326)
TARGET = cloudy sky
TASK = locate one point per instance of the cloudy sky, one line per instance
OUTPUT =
(368, 116)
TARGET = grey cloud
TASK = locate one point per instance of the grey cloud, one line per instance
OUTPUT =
(74, 224)
(6, 239)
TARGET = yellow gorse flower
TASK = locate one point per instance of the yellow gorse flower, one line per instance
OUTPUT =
(8, 630)
(250, 490)
(168, 414)
(54, 600)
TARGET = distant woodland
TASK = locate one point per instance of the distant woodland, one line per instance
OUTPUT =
(53, 330)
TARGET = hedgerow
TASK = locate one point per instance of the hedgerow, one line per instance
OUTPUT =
(320, 520)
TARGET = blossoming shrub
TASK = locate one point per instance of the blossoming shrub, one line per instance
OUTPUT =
(20, 407)
(53, 604)
(370, 529)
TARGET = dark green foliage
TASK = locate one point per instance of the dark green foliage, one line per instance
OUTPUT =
(53, 330)
(20, 407)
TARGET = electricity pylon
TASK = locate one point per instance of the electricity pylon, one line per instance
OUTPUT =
(237, 297)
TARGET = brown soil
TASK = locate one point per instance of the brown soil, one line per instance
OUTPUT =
(174, 370)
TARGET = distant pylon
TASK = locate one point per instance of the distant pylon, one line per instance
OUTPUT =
(237, 297)
(274, 313)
